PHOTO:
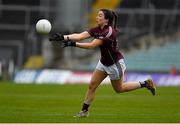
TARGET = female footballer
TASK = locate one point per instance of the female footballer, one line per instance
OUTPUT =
(111, 62)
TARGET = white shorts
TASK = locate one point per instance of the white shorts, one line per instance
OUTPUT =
(114, 71)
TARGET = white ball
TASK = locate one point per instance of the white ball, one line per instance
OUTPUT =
(43, 26)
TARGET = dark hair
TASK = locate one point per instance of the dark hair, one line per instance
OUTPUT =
(111, 16)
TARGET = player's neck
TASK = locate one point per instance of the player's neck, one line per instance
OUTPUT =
(102, 26)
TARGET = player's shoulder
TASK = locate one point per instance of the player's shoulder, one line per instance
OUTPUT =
(93, 31)
(94, 28)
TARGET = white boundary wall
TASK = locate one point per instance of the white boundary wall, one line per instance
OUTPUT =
(76, 77)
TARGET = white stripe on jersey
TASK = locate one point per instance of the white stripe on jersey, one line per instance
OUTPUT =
(110, 32)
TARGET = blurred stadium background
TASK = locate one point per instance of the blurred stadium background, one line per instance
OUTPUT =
(149, 37)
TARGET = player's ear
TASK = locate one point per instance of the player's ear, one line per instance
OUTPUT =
(106, 20)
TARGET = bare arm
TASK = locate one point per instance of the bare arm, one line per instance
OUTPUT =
(77, 37)
(95, 43)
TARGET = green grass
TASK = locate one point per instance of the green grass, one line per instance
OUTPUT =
(58, 103)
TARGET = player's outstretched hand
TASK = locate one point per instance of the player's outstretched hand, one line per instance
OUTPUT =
(56, 37)
(69, 43)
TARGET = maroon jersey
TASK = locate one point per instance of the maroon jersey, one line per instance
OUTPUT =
(109, 48)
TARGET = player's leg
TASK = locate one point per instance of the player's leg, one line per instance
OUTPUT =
(97, 77)
(119, 86)
(117, 80)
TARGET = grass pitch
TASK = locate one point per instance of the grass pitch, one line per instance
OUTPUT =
(58, 103)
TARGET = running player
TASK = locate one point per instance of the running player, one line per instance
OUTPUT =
(112, 61)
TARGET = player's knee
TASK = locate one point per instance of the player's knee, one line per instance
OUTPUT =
(92, 87)
(119, 90)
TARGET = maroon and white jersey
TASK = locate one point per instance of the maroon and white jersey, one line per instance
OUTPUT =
(109, 48)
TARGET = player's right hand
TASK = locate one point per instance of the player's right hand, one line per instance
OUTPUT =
(68, 43)
(56, 37)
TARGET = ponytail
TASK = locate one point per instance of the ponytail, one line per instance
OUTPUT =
(115, 19)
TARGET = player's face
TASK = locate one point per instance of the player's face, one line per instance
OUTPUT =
(101, 21)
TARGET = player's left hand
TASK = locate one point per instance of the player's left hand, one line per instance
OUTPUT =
(56, 37)
(68, 43)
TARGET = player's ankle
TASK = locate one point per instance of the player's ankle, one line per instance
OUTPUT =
(85, 107)
(142, 83)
